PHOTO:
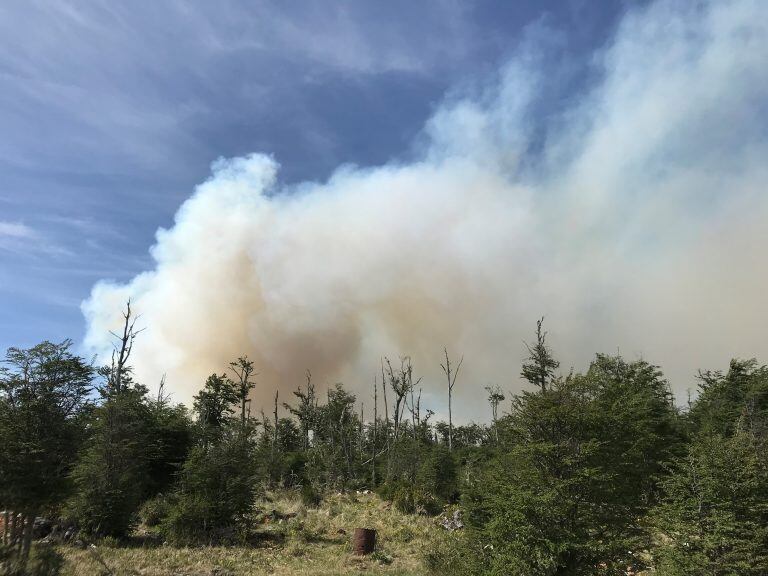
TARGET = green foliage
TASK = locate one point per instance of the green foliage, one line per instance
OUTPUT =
(310, 497)
(43, 561)
(539, 368)
(434, 484)
(111, 476)
(714, 518)
(459, 554)
(567, 493)
(590, 474)
(438, 476)
(155, 510)
(213, 405)
(216, 490)
(169, 437)
(43, 397)
(726, 401)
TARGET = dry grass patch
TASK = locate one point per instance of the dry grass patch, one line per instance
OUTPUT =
(311, 541)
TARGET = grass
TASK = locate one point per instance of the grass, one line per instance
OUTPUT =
(315, 541)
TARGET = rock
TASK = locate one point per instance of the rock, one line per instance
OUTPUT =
(41, 528)
(453, 523)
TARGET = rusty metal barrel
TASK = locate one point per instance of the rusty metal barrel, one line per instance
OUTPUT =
(363, 541)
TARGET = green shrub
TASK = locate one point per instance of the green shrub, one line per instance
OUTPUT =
(216, 491)
(111, 475)
(403, 499)
(43, 561)
(457, 555)
(310, 497)
(155, 510)
(714, 516)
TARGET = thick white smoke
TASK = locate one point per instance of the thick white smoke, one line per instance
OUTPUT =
(639, 226)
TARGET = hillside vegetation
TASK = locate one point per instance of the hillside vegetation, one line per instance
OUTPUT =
(314, 541)
(593, 473)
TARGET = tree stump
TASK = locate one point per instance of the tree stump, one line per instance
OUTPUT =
(363, 541)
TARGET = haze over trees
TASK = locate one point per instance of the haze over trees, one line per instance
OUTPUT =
(584, 473)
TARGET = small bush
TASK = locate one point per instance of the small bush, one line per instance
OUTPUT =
(216, 491)
(403, 500)
(310, 497)
(455, 556)
(43, 561)
(155, 510)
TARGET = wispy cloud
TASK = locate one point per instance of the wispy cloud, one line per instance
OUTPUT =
(20, 239)
(16, 231)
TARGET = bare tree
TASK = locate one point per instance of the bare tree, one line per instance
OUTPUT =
(451, 374)
(274, 436)
(375, 423)
(361, 431)
(495, 397)
(386, 405)
(401, 382)
(119, 371)
(243, 370)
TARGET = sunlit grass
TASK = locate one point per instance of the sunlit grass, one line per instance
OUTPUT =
(315, 541)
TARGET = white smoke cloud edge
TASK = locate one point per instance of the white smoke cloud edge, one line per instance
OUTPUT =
(639, 228)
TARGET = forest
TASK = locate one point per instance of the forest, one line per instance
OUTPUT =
(599, 472)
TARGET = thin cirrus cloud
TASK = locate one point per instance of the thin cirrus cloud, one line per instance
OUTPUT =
(632, 216)
(16, 231)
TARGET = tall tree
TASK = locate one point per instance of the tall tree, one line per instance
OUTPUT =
(715, 512)
(213, 404)
(539, 368)
(243, 370)
(119, 371)
(306, 410)
(495, 397)
(111, 474)
(450, 373)
(44, 394)
(568, 493)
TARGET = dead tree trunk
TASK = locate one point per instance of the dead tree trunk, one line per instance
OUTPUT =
(361, 432)
(375, 418)
(243, 370)
(274, 436)
(122, 349)
(451, 374)
(26, 544)
(386, 405)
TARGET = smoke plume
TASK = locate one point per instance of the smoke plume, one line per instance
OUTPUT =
(634, 219)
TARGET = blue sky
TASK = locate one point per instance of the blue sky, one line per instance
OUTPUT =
(111, 113)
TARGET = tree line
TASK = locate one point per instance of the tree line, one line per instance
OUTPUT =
(586, 473)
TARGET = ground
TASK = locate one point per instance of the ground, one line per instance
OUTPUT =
(314, 541)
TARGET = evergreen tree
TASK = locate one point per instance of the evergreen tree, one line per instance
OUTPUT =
(214, 406)
(725, 398)
(218, 481)
(170, 439)
(112, 473)
(216, 490)
(43, 398)
(539, 368)
(567, 493)
(714, 518)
